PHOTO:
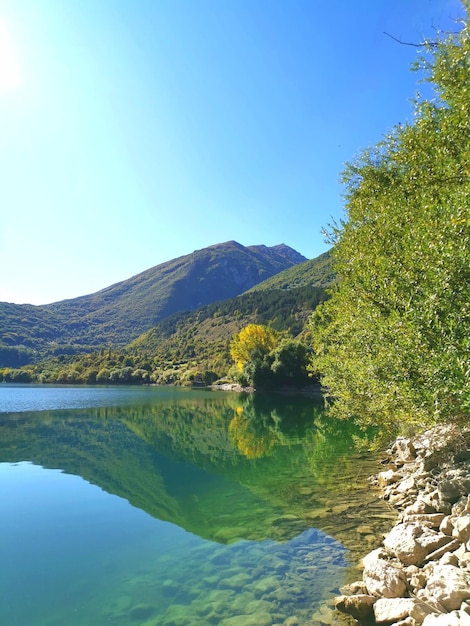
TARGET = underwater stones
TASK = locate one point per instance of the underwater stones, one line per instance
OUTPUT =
(293, 620)
(317, 513)
(337, 509)
(141, 612)
(176, 615)
(235, 582)
(265, 585)
(286, 519)
(169, 587)
(241, 601)
(255, 619)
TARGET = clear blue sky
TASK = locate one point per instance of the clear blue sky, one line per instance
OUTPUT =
(136, 131)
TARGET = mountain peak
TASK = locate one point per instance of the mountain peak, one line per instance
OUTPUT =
(121, 312)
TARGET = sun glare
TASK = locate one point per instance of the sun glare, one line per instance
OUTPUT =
(9, 68)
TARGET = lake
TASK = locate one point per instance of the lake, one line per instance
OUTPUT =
(156, 506)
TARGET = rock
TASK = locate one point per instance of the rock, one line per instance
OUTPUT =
(451, 490)
(461, 528)
(388, 477)
(431, 520)
(406, 485)
(427, 554)
(453, 544)
(388, 610)
(420, 506)
(449, 558)
(358, 606)
(404, 449)
(356, 587)
(382, 576)
(448, 585)
(418, 580)
(445, 619)
(464, 618)
(462, 506)
(411, 543)
(465, 608)
(447, 525)
(255, 619)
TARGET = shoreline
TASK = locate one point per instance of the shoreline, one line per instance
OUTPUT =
(421, 572)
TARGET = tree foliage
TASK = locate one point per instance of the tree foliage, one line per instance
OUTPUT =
(267, 359)
(393, 342)
(252, 342)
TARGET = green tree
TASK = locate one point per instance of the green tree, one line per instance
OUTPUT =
(393, 342)
(289, 363)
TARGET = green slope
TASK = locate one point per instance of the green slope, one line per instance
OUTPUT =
(200, 339)
(317, 272)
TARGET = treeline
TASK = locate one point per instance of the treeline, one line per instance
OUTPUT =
(186, 348)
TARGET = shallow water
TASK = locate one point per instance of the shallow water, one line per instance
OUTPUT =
(160, 506)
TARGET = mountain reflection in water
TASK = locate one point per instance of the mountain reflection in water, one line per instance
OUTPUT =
(234, 516)
(224, 468)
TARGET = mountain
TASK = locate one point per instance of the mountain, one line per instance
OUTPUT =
(317, 272)
(118, 314)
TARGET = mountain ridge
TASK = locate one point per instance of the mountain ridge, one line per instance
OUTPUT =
(121, 312)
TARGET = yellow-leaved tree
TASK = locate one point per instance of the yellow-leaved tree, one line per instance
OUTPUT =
(251, 342)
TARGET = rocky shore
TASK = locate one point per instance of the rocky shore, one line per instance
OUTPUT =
(421, 572)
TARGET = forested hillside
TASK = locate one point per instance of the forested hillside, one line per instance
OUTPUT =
(118, 314)
(188, 346)
(317, 272)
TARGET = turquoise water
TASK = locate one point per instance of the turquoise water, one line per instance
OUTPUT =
(160, 506)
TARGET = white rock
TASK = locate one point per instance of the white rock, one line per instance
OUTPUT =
(449, 558)
(447, 525)
(359, 606)
(406, 484)
(432, 520)
(461, 528)
(388, 610)
(444, 550)
(411, 543)
(389, 477)
(465, 608)
(444, 619)
(383, 577)
(449, 586)
(419, 506)
(464, 618)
